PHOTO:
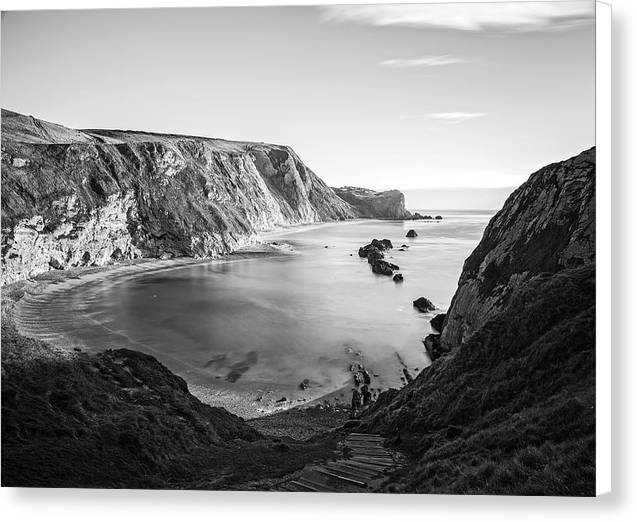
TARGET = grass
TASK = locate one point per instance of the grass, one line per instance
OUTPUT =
(512, 410)
(120, 419)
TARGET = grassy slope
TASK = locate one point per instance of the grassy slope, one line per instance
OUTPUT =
(512, 410)
(121, 419)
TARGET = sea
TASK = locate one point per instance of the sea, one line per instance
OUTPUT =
(263, 334)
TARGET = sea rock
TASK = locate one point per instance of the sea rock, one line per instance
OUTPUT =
(438, 217)
(374, 255)
(384, 268)
(546, 225)
(376, 244)
(398, 278)
(412, 233)
(424, 305)
(368, 203)
(68, 192)
(437, 322)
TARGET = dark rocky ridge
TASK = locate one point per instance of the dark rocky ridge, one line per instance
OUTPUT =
(510, 409)
(367, 203)
(546, 225)
(73, 197)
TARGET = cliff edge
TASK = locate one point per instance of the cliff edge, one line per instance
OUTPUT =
(509, 409)
(367, 203)
(546, 225)
(88, 197)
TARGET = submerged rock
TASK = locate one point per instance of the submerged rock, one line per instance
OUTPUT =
(424, 305)
(411, 233)
(305, 384)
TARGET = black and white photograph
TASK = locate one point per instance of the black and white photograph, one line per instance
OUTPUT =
(301, 249)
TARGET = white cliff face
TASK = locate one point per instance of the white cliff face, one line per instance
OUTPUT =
(98, 239)
(74, 198)
(546, 225)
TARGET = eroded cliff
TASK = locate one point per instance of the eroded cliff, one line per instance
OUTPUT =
(509, 409)
(546, 225)
(367, 203)
(83, 197)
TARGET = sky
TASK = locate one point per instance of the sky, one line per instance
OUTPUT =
(414, 97)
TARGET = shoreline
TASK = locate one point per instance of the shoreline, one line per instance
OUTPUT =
(29, 306)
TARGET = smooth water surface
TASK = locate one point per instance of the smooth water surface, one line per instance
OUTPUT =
(245, 334)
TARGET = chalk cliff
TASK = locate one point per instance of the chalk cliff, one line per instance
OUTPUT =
(83, 197)
(389, 204)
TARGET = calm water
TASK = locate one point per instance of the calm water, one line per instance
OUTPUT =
(255, 329)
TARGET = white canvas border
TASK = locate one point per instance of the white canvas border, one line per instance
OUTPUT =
(603, 236)
(102, 505)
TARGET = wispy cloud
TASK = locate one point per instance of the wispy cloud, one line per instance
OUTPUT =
(445, 117)
(428, 61)
(493, 16)
(457, 117)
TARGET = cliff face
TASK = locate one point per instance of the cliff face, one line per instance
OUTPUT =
(511, 409)
(546, 225)
(72, 198)
(371, 204)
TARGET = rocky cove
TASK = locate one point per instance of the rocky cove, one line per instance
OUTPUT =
(522, 317)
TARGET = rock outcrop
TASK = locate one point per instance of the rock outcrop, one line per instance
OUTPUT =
(389, 204)
(546, 225)
(508, 407)
(87, 197)
(424, 305)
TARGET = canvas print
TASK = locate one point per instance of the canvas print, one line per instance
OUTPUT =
(340, 248)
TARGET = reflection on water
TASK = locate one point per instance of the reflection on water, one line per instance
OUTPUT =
(253, 330)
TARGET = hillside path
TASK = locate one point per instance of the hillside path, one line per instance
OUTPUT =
(362, 471)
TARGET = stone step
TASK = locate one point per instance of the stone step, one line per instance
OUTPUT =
(343, 477)
(313, 485)
(362, 475)
(384, 463)
(354, 468)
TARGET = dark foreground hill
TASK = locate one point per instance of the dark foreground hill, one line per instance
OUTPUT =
(120, 419)
(511, 408)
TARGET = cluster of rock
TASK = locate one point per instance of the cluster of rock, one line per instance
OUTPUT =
(417, 216)
(432, 342)
(375, 254)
